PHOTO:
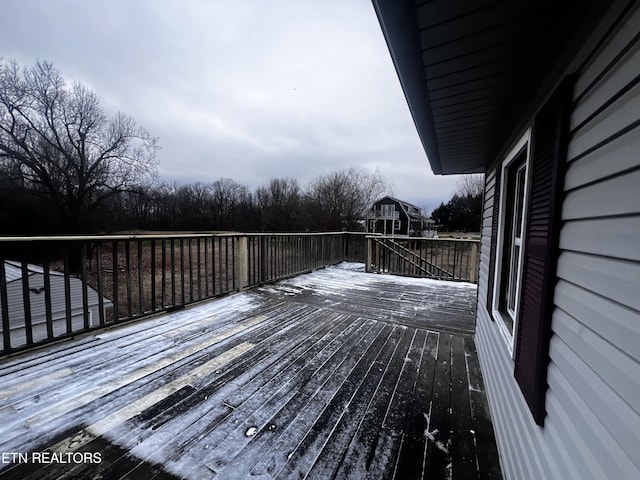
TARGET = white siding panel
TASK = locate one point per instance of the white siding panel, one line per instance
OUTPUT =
(601, 444)
(614, 81)
(617, 280)
(564, 452)
(622, 113)
(617, 237)
(617, 323)
(612, 381)
(623, 37)
(618, 385)
(583, 465)
(519, 439)
(511, 426)
(616, 196)
(580, 464)
(621, 154)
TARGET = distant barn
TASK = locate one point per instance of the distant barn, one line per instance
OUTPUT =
(391, 216)
(13, 275)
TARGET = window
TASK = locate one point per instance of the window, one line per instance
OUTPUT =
(525, 243)
(387, 210)
(510, 245)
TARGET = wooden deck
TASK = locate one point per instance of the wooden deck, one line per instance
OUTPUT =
(334, 374)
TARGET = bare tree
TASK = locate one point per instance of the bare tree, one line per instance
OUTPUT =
(341, 198)
(228, 198)
(279, 202)
(56, 140)
(470, 185)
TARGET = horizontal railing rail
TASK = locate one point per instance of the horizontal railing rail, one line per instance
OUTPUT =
(445, 259)
(58, 287)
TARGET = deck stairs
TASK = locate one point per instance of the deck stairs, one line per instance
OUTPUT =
(414, 260)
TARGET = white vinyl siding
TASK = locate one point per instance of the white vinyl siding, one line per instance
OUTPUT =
(592, 429)
(58, 307)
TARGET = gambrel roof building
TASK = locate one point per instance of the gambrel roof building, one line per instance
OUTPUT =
(391, 216)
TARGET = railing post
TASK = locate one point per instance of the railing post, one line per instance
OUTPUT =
(243, 263)
(26, 303)
(4, 310)
(369, 255)
(263, 259)
(473, 267)
(345, 245)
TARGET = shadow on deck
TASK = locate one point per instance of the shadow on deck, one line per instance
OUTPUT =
(334, 374)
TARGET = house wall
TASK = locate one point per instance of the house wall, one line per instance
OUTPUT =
(58, 308)
(592, 428)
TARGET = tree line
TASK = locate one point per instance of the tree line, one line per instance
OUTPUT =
(334, 201)
(463, 212)
(68, 167)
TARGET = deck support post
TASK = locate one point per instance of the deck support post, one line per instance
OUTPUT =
(473, 268)
(243, 263)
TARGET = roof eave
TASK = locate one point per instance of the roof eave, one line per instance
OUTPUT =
(395, 22)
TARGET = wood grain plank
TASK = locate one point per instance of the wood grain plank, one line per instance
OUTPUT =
(463, 453)
(385, 458)
(193, 423)
(334, 451)
(410, 462)
(312, 393)
(438, 432)
(271, 396)
(308, 416)
(362, 447)
(488, 462)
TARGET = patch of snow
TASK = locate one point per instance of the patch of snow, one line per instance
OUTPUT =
(251, 431)
(449, 472)
(431, 435)
(441, 446)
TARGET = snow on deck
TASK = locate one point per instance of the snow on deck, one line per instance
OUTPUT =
(334, 374)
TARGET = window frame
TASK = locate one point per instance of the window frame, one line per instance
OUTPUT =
(386, 210)
(522, 146)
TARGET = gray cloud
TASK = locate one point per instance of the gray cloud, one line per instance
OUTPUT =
(248, 90)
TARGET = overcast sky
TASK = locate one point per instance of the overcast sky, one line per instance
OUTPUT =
(248, 90)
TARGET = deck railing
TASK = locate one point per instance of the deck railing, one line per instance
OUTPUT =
(444, 259)
(58, 287)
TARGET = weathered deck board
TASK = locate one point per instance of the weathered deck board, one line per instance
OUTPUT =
(422, 303)
(336, 374)
(414, 439)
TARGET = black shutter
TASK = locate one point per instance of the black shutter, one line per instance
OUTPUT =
(494, 241)
(548, 162)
